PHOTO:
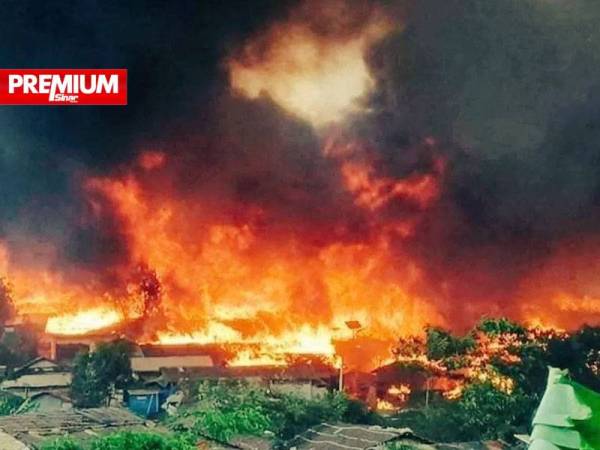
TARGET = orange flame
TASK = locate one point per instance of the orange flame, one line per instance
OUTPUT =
(84, 321)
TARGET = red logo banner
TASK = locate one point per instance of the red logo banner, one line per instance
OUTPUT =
(63, 86)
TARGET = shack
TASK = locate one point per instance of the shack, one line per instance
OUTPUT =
(144, 402)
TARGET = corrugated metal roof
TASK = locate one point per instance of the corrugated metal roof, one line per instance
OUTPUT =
(71, 420)
(347, 437)
(7, 442)
(251, 443)
(155, 363)
(34, 428)
(39, 362)
(39, 380)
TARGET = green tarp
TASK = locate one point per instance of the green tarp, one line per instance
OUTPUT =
(568, 416)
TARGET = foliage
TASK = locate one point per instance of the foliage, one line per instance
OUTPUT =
(7, 307)
(96, 373)
(580, 354)
(113, 360)
(9, 404)
(142, 441)
(496, 327)
(89, 388)
(227, 409)
(409, 346)
(126, 441)
(292, 414)
(442, 344)
(488, 413)
(506, 349)
(483, 412)
(357, 412)
(531, 372)
(18, 347)
(62, 444)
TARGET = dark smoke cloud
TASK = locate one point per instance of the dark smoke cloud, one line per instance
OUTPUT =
(172, 51)
(510, 89)
(252, 154)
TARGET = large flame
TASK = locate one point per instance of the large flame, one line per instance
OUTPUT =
(227, 283)
(224, 281)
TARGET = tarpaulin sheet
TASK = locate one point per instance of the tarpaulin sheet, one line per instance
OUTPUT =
(568, 416)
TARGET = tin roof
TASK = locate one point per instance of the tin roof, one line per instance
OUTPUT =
(347, 437)
(39, 380)
(7, 442)
(155, 363)
(34, 428)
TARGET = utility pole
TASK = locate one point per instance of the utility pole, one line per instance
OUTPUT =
(341, 376)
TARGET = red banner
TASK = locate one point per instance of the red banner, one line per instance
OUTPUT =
(63, 86)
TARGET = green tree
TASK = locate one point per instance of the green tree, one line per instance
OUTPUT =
(18, 347)
(483, 412)
(226, 409)
(488, 413)
(7, 307)
(96, 373)
(502, 325)
(442, 344)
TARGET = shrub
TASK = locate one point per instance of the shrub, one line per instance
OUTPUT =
(226, 409)
(141, 441)
(126, 441)
(62, 444)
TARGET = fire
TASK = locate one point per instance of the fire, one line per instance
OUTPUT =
(304, 340)
(400, 392)
(227, 283)
(373, 193)
(249, 358)
(267, 349)
(40, 290)
(455, 393)
(384, 405)
(402, 389)
(227, 269)
(219, 275)
(318, 77)
(83, 322)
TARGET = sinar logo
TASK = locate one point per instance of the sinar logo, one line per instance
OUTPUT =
(64, 98)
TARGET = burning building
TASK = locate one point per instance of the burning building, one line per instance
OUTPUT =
(392, 163)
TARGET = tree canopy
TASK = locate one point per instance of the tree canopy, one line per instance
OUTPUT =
(96, 373)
